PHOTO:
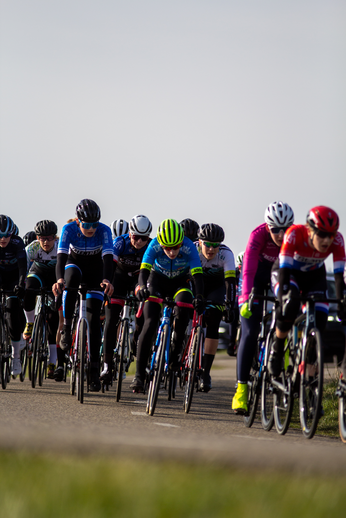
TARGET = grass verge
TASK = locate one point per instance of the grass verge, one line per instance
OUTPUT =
(42, 486)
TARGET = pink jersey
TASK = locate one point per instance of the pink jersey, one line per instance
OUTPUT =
(296, 252)
(261, 252)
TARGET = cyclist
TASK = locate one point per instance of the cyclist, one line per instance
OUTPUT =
(232, 347)
(12, 278)
(85, 254)
(164, 272)
(29, 237)
(128, 253)
(300, 268)
(190, 228)
(42, 255)
(119, 227)
(261, 251)
(219, 286)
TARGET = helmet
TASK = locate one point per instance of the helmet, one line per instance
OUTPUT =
(29, 237)
(211, 232)
(88, 211)
(16, 230)
(190, 228)
(119, 227)
(6, 225)
(323, 218)
(140, 225)
(170, 233)
(279, 214)
(46, 228)
(239, 259)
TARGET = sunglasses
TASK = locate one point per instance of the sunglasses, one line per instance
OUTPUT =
(46, 238)
(176, 247)
(135, 237)
(88, 226)
(211, 245)
(5, 235)
(277, 230)
(323, 234)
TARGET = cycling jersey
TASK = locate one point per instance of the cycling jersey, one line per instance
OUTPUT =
(187, 260)
(13, 257)
(127, 257)
(259, 256)
(40, 259)
(297, 254)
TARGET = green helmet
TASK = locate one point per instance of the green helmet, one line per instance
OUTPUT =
(170, 233)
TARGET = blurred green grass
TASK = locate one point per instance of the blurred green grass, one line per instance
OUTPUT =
(59, 486)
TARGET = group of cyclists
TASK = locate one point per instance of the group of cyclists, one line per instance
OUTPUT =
(186, 262)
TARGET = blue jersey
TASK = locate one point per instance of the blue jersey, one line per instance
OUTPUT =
(127, 257)
(186, 261)
(73, 242)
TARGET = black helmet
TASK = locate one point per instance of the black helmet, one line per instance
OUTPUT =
(88, 211)
(16, 230)
(6, 225)
(190, 228)
(211, 232)
(46, 228)
(29, 237)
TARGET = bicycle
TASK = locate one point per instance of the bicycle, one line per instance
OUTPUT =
(302, 373)
(5, 342)
(159, 365)
(39, 337)
(122, 356)
(80, 357)
(341, 393)
(257, 384)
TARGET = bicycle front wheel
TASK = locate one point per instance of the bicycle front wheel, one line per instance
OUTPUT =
(267, 395)
(154, 385)
(81, 371)
(193, 361)
(122, 344)
(42, 357)
(311, 384)
(253, 392)
(37, 337)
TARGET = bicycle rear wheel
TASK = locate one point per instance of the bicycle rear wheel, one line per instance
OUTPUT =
(283, 404)
(311, 384)
(37, 336)
(24, 361)
(158, 367)
(81, 372)
(342, 411)
(42, 357)
(193, 361)
(267, 395)
(122, 344)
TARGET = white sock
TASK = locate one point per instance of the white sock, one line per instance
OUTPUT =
(52, 353)
(30, 316)
(15, 350)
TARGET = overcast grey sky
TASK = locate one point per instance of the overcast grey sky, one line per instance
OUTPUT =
(193, 108)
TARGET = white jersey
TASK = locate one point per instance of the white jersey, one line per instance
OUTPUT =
(222, 266)
(38, 258)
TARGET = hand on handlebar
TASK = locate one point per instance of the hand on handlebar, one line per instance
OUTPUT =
(108, 287)
(229, 313)
(142, 293)
(199, 304)
(245, 311)
(58, 287)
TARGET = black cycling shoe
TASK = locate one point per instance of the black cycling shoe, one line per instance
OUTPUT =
(137, 385)
(275, 362)
(205, 384)
(59, 374)
(95, 383)
(66, 338)
(106, 376)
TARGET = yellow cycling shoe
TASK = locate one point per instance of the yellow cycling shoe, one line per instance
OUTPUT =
(28, 331)
(239, 401)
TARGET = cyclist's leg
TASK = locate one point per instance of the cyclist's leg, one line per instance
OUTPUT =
(73, 277)
(181, 320)
(113, 309)
(212, 320)
(52, 328)
(94, 303)
(33, 281)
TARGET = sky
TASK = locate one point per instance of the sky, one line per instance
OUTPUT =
(203, 109)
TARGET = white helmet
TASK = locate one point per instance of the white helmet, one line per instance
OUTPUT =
(239, 259)
(140, 225)
(119, 227)
(279, 214)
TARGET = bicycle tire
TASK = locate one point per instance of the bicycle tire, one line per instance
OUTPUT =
(2, 355)
(283, 405)
(36, 341)
(123, 340)
(24, 362)
(192, 369)
(154, 385)
(342, 415)
(311, 387)
(172, 383)
(43, 354)
(81, 372)
(267, 396)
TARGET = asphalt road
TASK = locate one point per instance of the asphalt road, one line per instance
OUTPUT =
(49, 419)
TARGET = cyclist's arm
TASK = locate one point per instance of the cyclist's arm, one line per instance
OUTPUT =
(107, 266)
(339, 285)
(198, 283)
(60, 265)
(230, 290)
(143, 276)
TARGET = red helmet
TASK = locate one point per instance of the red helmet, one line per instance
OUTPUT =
(323, 218)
